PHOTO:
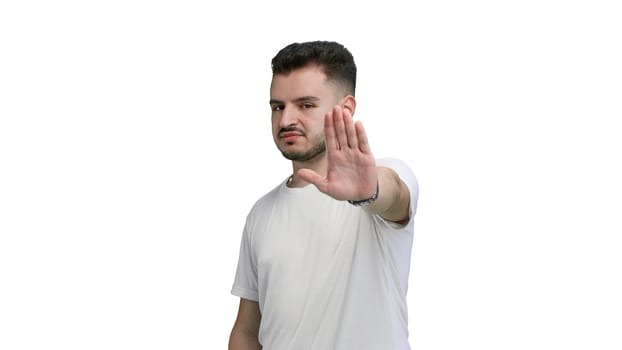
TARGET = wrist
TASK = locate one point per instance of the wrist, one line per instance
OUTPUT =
(366, 201)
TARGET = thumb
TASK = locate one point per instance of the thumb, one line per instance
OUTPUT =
(314, 178)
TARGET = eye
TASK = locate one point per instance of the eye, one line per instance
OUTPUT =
(307, 105)
(277, 108)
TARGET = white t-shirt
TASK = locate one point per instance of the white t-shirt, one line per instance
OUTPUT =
(326, 274)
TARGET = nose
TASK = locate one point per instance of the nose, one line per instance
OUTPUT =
(289, 117)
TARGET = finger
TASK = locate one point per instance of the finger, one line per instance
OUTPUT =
(329, 132)
(350, 130)
(340, 129)
(362, 138)
(313, 178)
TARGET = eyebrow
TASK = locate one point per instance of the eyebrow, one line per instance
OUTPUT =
(296, 100)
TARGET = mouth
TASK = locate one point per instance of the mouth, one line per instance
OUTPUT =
(289, 135)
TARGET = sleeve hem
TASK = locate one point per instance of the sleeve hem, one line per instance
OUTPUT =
(245, 293)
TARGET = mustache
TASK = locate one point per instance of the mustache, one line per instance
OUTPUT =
(290, 129)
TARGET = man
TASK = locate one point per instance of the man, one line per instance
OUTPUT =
(325, 256)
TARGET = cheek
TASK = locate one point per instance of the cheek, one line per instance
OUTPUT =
(275, 127)
(319, 120)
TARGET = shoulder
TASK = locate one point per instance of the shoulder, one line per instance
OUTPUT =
(401, 168)
(267, 198)
(267, 201)
(405, 173)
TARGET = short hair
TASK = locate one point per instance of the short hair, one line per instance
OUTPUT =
(333, 58)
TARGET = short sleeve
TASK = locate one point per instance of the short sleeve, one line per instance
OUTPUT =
(407, 176)
(245, 283)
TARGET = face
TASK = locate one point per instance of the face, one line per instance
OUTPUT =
(299, 102)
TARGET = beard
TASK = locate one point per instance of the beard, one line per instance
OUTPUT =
(303, 156)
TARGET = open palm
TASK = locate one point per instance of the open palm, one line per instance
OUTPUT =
(351, 172)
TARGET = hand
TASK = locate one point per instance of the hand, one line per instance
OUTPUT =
(351, 172)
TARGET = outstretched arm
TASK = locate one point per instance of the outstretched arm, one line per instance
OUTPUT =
(352, 173)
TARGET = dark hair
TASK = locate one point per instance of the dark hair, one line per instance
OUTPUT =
(334, 59)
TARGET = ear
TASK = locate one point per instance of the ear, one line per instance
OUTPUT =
(349, 103)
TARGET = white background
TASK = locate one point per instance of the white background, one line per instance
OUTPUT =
(135, 136)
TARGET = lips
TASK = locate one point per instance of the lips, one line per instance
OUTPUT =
(289, 135)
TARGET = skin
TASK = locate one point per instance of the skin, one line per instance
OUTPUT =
(312, 126)
(244, 335)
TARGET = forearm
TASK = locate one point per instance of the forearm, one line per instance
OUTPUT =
(243, 341)
(393, 196)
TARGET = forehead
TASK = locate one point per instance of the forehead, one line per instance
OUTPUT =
(307, 81)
